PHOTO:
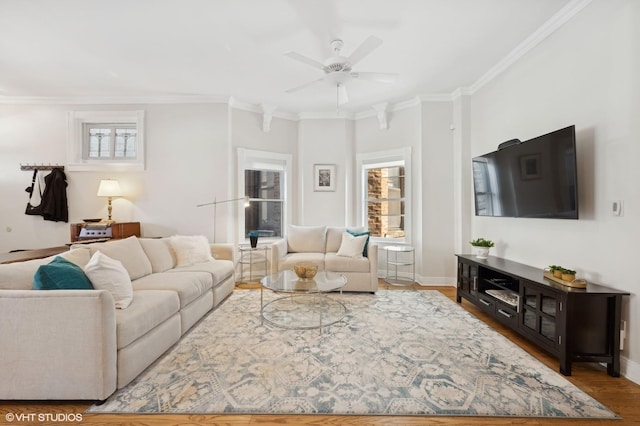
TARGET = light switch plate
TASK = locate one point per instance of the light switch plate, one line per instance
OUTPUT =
(616, 208)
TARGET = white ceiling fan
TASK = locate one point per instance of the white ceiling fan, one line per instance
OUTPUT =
(338, 69)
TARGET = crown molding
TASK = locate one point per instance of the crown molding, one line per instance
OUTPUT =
(436, 97)
(556, 21)
(111, 100)
(259, 109)
(344, 115)
(398, 106)
(550, 26)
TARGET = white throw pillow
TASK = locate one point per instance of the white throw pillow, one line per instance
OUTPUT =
(352, 246)
(190, 249)
(109, 274)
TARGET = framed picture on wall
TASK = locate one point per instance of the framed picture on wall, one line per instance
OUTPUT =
(324, 177)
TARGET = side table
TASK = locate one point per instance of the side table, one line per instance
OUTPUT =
(402, 257)
(253, 259)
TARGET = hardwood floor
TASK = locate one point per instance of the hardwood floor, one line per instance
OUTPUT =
(619, 394)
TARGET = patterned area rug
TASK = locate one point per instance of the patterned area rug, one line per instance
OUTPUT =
(394, 353)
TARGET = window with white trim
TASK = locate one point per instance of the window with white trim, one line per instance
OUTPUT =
(105, 140)
(264, 177)
(385, 186)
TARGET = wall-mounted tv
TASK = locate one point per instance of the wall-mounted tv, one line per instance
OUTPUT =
(536, 178)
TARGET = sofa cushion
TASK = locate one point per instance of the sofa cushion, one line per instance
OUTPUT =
(190, 249)
(109, 274)
(352, 246)
(291, 259)
(188, 285)
(147, 310)
(219, 269)
(129, 252)
(306, 239)
(60, 274)
(159, 252)
(19, 275)
(336, 263)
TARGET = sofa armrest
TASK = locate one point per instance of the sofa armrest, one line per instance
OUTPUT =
(223, 251)
(279, 250)
(372, 254)
(57, 344)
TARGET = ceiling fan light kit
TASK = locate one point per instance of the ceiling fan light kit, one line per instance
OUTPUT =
(338, 69)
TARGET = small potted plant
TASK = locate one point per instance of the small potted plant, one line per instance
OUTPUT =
(556, 271)
(568, 274)
(482, 247)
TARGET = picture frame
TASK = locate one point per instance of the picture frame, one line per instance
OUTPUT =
(324, 177)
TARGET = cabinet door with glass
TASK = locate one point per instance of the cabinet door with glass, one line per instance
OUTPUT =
(467, 280)
(541, 314)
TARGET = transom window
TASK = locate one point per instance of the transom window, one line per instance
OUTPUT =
(115, 141)
(106, 141)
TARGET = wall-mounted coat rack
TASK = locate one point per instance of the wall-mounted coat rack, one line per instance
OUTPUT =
(27, 167)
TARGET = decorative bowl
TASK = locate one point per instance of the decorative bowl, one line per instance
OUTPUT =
(305, 271)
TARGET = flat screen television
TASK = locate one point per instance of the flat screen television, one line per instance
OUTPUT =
(536, 178)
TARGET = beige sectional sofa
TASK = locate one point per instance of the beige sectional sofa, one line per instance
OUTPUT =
(75, 344)
(320, 245)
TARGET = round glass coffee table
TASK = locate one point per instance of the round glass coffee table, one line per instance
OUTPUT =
(306, 304)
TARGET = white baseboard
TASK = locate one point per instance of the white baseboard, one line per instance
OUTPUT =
(630, 369)
(436, 281)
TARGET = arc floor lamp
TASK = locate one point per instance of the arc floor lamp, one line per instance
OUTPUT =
(215, 203)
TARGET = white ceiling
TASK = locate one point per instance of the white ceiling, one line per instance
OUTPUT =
(87, 50)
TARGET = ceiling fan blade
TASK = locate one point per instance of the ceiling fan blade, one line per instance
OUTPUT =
(305, 60)
(381, 77)
(343, 97)
(302, 86)
(367, 46)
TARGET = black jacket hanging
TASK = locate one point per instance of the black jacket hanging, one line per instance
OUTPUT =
(54, 198)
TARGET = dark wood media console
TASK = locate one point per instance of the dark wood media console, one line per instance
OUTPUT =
(573, 324)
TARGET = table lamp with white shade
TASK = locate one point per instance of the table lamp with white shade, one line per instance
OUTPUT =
(109, 188)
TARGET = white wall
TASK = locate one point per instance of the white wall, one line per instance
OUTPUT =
(584, 74)
(324, 142)
(437, 167)
(182, 170)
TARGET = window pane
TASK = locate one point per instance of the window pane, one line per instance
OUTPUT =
(266, 210)
(125, 143)
(264, 184)
(99, 143)
(385, 202)
(265, 217)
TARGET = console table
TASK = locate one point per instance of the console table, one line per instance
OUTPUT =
(119, 230)
(574, 324)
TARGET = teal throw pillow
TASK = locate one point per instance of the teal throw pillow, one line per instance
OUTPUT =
(366, 244)
(60, 274)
